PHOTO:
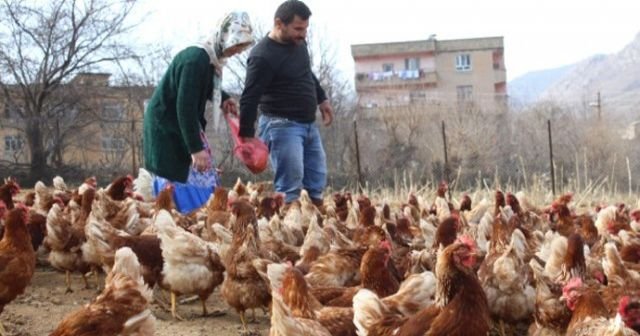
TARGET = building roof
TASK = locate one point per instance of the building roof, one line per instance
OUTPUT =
(430, 45)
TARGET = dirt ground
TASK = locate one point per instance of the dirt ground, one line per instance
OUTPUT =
(44, 304)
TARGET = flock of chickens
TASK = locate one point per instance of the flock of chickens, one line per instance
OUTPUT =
(351, 267)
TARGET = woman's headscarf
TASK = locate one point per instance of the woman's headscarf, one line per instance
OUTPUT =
(234, 29)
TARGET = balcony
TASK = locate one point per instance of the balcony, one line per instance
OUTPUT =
(396, 79)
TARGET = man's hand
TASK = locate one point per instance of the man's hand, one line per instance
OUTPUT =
(327, 112)
(230, 106)
(201, 160)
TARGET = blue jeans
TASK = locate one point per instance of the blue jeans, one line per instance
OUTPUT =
(296, 155)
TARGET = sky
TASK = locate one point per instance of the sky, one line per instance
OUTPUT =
(538, 35)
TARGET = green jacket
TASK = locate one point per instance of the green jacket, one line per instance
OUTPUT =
(175, 115)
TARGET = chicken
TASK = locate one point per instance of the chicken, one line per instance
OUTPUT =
(374, 274)
(121, 309)
(503, 275)
(7, 191)
(441, 206)
(107, 240)
(590, 316)
(551, 314)
(414, 294)
(217, 208)
(64, 241)
(629, 310)
(315, 237)
(17, 258)
(120, 188)
(283, 323)
(191, 265)
(341, 267)
(461, 306)
(615, 269)
(465, 203)
(272, 239)
(243, 287)
(270, 206)
(44, 197)
(3, 211)
(296, 295)
(574, 264)
(564, 223)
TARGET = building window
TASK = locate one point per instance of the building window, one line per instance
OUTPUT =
(412, 63)
(13, 143)
(463, 62)
(12, 111)
(465, 92)
(112, 111)
(113, 144)
(387, 67)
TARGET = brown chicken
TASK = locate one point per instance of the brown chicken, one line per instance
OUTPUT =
(7, 191)
(217, 208)
(64, 241)
(551, 314)
(590, 315)
(3, 211)
(146, 247)
(296, 295)
(121, 309)
(374, 274)
(243, 287)
(121, 188)
(17, 258)
(341, 267)
(461, 306)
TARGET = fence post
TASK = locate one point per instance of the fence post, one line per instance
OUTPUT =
(446, 157)
(355, 134)
(553, 174)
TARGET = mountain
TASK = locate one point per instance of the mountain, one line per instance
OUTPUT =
(615, 76)
(528, 87)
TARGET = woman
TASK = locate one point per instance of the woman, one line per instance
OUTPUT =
(175, 146)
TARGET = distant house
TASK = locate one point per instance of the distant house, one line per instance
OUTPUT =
(419, 72)
(102, 125)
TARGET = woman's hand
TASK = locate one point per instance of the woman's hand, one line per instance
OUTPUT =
(201, 160)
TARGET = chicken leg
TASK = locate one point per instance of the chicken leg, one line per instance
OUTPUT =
(67, 281)
(204, 307)
(86, 281)
(244, 321)
(174, 313)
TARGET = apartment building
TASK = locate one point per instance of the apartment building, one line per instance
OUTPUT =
(429, 71)
(101, 125)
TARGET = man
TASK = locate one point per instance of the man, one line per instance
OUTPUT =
(281, 84)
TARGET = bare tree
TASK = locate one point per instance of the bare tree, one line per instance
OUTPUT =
(42, 47)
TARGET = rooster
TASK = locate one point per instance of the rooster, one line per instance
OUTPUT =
(17, 258)
(121, 309)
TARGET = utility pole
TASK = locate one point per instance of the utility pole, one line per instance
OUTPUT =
(598, 105)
